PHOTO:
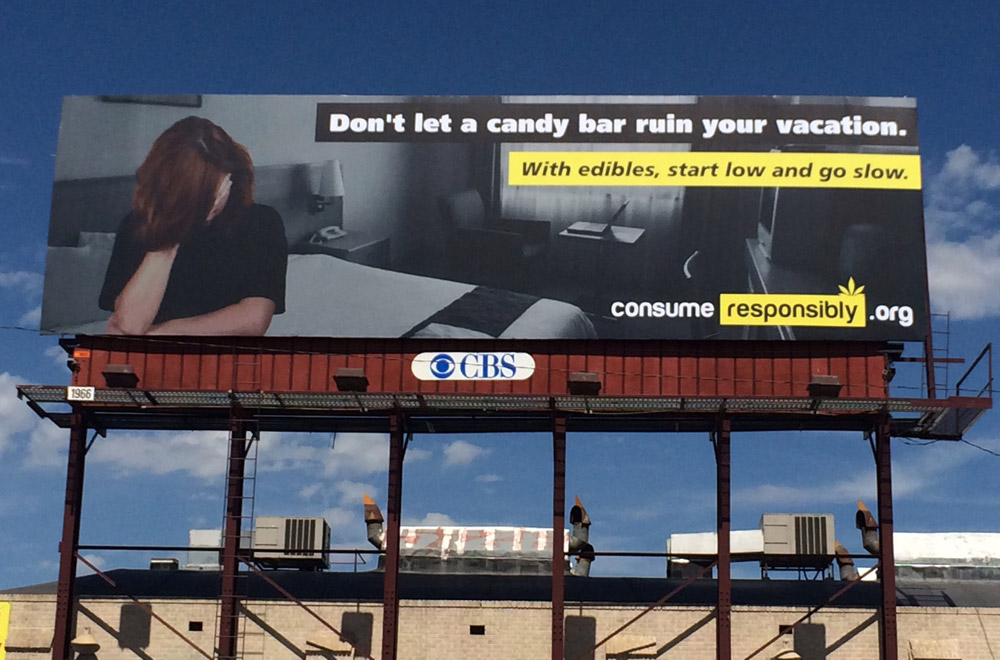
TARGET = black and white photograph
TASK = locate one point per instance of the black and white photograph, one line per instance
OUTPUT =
(232, 217)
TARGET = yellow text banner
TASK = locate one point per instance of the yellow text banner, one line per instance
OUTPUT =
(830, 311)
(714, 168)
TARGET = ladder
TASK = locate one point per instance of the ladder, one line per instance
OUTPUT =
(940, 348)
(243, 424)
(244, 504)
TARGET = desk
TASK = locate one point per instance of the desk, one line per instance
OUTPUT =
(356, 246)
(624, 235)
(605, 264)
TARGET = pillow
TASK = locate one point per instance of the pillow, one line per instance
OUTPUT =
(73, 281)
(98, 239)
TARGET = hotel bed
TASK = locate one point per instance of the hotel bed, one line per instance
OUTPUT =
(327, 296)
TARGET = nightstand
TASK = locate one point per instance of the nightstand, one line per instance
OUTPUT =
(359, 247)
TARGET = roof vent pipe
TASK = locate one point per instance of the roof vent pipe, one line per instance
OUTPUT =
(579, 538)
(865, 521)
(373, 520)
(845, 565)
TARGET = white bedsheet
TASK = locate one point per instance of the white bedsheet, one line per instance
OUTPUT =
(332, 297)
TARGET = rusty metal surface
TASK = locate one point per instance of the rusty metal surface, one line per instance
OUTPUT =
(228, 597)
(390, 586)
(558, 524)
(657, 368)
(66, 584)
(888, 638)
(723, 614)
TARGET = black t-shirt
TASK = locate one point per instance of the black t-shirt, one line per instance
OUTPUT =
(219, 264)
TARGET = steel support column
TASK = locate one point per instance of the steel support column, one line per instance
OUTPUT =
(65, 589)
(887, 571)
(231, 530)
(558, 523)
(390, 592)
(723, 619)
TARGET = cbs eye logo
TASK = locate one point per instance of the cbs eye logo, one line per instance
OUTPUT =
(473, 366)
(442, 365)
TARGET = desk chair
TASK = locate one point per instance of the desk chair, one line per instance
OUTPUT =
(501, 252)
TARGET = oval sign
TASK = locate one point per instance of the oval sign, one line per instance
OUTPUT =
(473, 366)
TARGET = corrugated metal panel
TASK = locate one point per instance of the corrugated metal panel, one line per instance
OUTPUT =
(668, 368)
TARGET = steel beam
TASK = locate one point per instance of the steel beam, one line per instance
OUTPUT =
(558, 523)
(65, 587)
(723, 619)
(232, 524)
(888, 640)
(390, 591)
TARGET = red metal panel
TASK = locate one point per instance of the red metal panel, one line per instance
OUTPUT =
(745, 357)
(688, 375)
(708, 372)
(671, 385)
(725, 371)
(652, 380)
(628, 368)
(614, 372)
(782, 370)
(800, 375)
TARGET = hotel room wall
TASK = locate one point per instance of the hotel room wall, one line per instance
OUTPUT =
(657, 209)
(390, 188)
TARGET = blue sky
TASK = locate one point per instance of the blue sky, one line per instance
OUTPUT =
(150, 488)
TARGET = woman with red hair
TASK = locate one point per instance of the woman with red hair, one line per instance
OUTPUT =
(196, 256)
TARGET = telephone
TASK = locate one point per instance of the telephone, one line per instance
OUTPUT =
(327, 234)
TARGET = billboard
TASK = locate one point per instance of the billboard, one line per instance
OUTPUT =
(564, 217)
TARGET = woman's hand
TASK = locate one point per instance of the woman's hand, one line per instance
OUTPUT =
(139, 301)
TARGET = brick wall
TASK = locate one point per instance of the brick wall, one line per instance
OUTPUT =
(490, 630)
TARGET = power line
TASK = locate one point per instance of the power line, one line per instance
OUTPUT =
(981, 448)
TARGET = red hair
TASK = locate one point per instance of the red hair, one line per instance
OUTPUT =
(175, 186)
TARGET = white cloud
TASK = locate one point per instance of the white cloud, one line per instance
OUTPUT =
(57, 354)
(13, 161)
(489, 478)
(26, 282)
(350, 492)
(198, 453)
(31, 317)
(963, 239)
(353, 453)
(47, 446)
(342, 517)
(307, 492)
(96, 560)
(15, 416)
(432, 519)
(461, 452)
(914, 475)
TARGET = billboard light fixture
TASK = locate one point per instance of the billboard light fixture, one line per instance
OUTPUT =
(823, 386)
(583, 383)
(351, 379)
(120, 376)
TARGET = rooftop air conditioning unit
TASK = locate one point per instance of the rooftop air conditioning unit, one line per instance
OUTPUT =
(292, 542)
(797, 540)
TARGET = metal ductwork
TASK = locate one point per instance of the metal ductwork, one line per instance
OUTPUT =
(865, 521)
(374, 520)
(845, 565)
(579, 539)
